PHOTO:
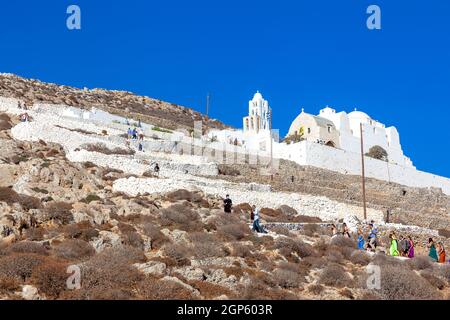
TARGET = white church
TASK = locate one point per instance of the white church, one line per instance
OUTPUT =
(329, 140)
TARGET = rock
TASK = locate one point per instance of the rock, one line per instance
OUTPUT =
(177, 236)
(219, 277)
(289, 211)
(105, 240)
(30, 293)
(152, 267)
(191, 273)
(7, 178)
(188, 287)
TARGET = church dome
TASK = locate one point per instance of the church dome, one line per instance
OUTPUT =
(258, 96)
(359, 115)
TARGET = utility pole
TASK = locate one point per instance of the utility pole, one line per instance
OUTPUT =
(363, 173)
(208, 98)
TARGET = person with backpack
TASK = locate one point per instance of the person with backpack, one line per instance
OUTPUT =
(345, 230)
(432, 253)
(227, 204)
(393, 250)
(404, 246)
(372, 239)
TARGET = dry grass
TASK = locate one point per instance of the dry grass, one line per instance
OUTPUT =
(180, 254)
(20, 266)
(181, 217)
(28, 247)
(420, 263)
(9, 196)
(158, 239)
(50, 278)
(59, 211)
(335, 275)
(155, 289)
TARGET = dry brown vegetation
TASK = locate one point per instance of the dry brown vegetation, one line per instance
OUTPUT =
(102, 148)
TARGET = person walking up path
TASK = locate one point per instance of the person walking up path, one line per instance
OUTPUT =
(227, 204)
(393, 251)
(432, 253)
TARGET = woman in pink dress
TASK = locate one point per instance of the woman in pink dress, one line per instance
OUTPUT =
(411, 248)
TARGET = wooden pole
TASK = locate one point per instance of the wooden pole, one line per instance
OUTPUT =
(207, 104)
(363, 173)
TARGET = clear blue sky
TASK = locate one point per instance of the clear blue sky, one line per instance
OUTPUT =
(297, 53)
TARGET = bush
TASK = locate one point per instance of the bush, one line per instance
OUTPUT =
(20, 265)
(281, 230)
(112, 269)
(360, 257)
(35, 234)
(433, 280)
(132, 239)
(226, 170)
(81, 230)
(403, 284)
(204, 250)
(240, 250)
(59, 211)
(74, 249)
(342, 241)
(28, 247)
(9, 196)
(180, 254)
(287, 246)
(158, 239)
(182, 194)
(378, 153)
(232, 232)
(155, 289)
(50, 278)
(444, 233)
(420, 263)
(334, 275)
(315, 289)
(91, 198)
(182, 217)
(287, 279)
(8, 284)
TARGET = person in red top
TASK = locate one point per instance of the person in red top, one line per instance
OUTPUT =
(441, 252)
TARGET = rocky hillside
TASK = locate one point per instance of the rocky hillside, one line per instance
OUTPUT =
(123, 103)
(75, 196)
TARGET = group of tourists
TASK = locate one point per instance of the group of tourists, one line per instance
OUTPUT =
(401, 246)
(436, 251)
(254, 214)
(136, 134)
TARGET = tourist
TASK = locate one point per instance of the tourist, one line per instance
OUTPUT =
(441, 252)
(411, 248)
(256, 226)
(227, 204)
(361, 241)
(345, 230)
(393, 250)
(129, 133)
(372, 239)
(334, 231)
(141, 134)
(432, 253)
(134, 133)
(404, 246)
(156, 169)
(140, 147)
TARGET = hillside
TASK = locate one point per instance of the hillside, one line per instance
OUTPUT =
(123, 103)
(75, 193)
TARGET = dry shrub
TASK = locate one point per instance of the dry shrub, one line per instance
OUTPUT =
(81, 230)
(259, 290)
(333, 254)
(155, 289)
(35, 234)
(102, 148)
(342, 241)
(28, 247)
(335, 275)
(9, 196)
(310, 229)
(360, 257)
(316, 289)
(133, 239)
(444, 233)
(112, 269)
(240, 250)
(227, 170)
(182, 217)
(287, 279)
(180, 254)
(444, 272)
(403, 284)
(313, 262)
(8, 284)
(381, 259)
(5, 122)
(232, 232)
(50, 278)
(20, 265)
(420, 263)
(59, 211)
(433, 280)
(281, 230)
(209, 290)
(204, 250)
(345, 292)
(158, 239)
(287, 246)
(74, 249)
(182, 194)
(91, 198)
(306, 219)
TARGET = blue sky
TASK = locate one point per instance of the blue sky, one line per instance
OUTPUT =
(297, 53)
